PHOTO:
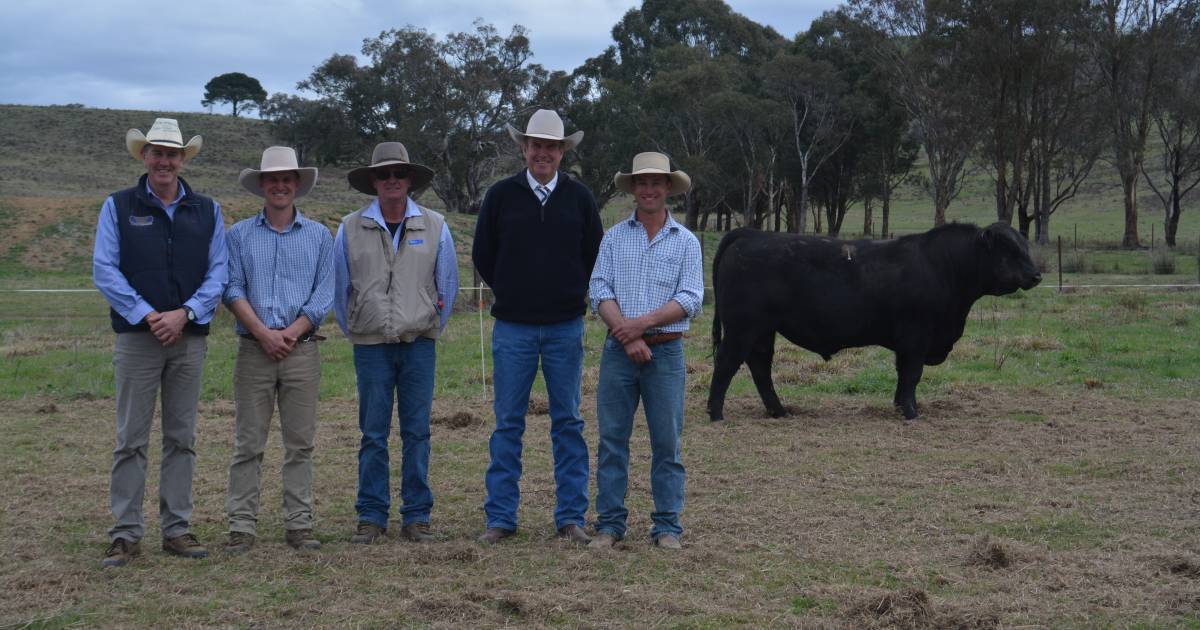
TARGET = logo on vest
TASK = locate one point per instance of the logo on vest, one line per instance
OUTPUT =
(416, 241)
(141, 221)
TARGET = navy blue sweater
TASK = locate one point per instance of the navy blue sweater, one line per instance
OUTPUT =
(536, 259)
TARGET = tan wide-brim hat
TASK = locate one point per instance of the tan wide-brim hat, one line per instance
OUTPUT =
(275, 160)
(545, 124)
(385, 154)
(651, 163)
(164, 133)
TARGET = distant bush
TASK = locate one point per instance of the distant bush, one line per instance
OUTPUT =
(1040, 255)
(1162, 261)
(1133, 302)
(1075, 262)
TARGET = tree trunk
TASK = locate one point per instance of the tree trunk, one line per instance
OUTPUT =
(1129, 187)
(693, 211)
(1172, 223)
(868, 219)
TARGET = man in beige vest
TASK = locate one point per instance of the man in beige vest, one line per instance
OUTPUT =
(396, 277)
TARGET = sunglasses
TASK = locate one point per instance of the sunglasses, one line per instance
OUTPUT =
(384, 174)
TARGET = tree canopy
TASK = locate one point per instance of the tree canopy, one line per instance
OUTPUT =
(242, 92)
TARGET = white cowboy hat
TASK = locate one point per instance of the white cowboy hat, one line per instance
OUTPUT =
(164, 133)
(546, 125)
(387, 153)
(274, 160)
(651, 163)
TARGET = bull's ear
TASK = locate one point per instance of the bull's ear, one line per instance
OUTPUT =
(987, 236)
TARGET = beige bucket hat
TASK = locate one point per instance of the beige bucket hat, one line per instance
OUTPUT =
(274, 160)
(545, 124)
(164, 133)
(651, 163)
(385, 154)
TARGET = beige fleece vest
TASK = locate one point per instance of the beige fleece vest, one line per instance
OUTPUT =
(393, 295)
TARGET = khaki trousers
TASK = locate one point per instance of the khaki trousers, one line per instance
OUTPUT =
(258, 382)
(142, 367)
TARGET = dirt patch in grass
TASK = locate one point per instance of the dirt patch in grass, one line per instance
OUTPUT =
(838, 516)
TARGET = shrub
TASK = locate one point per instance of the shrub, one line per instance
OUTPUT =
(1075, 262)
(1040, 256)
(1162, 261)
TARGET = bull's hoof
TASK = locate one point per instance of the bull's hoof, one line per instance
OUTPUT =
(910, 413)
(778, 413)
(715, 416)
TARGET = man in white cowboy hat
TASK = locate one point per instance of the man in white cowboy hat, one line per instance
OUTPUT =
(396, 279)
(648, 283)
(536, 240)
(160, 261)
(280, 289)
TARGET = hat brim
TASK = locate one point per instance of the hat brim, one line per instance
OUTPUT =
(569, 142)
(680, 181)
(136, 140)
(249, 179)
(360, 178)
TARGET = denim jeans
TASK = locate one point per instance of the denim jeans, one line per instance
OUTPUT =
(660, 386)
(516, 349)
(402, 372)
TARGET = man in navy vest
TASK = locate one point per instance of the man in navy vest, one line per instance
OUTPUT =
(160, 261)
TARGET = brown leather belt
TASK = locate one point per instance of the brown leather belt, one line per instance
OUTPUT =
(654, 340)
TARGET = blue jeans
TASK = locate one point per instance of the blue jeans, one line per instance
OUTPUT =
(516, 349)
(660, 386)
(403, 372)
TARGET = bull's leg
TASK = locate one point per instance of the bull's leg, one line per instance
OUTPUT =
(909, 366)
(761, 357)
(732, 353)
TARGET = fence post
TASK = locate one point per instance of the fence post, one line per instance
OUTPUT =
(1076, 248)
(1152, 237)
(1060, 284)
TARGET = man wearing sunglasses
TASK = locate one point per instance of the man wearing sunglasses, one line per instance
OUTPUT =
(395, 280)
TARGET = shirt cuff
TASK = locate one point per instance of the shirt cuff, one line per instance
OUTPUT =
(138, 312)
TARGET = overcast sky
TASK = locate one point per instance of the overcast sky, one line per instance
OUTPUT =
(136, 54)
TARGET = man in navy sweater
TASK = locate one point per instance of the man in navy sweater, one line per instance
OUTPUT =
(536, 240)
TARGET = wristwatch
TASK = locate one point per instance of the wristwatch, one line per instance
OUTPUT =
(191, 315)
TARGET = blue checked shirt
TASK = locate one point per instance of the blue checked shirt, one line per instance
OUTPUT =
(281, 274)
(643, 276)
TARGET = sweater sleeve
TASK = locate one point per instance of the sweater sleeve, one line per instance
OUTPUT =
(483, 249)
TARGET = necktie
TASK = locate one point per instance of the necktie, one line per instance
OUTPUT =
(543, 194)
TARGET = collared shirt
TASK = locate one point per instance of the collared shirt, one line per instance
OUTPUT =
(281, 274)
(445, 272)
(533, 183)
(106, 260)
(643, 275)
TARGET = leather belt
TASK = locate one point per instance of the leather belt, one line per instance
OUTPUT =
(654, 340)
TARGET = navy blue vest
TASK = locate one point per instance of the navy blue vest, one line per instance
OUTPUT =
(165, 261)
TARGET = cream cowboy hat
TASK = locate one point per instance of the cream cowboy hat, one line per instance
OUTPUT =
(274, 160)
(164, 133)
(651, 163)
(546, 125)
(387, 153)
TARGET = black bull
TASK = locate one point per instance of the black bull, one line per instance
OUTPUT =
(911, 295)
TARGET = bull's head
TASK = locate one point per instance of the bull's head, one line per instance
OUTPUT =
(1006, 260)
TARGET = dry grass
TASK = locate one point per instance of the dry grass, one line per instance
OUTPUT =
(839, 516)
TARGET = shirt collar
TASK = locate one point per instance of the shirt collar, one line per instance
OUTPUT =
(182, 193)
(669, 224)
(376, 213)
(533, 183)
(261, 219)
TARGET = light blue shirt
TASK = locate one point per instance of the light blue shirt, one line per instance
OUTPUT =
(643, 275)
(282, 275)
(445, 271)
(106, 261)
(534, 183)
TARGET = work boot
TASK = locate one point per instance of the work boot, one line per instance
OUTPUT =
(493, 535)
(574, 533)
(417, 532)
(239, 543)
(302, 540)
(185, 546)
(120, 553)
(603, 541)
(668, 541)
(368, 533)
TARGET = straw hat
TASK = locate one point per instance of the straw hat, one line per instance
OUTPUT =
(651, 163)
(164, 133)
(545, 124)
(274, 160)
(387, 153)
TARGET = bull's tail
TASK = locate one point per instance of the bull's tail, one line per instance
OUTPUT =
(725, 243)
